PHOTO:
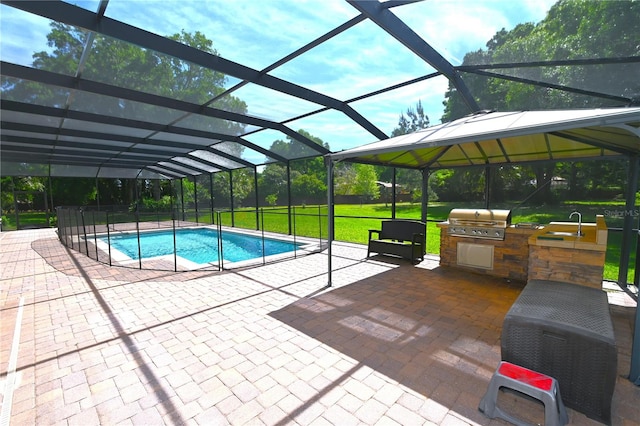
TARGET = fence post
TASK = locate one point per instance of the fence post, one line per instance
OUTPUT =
(255, 184)
(262, 231)
(138, 236)
(175, 248)
(108, 238)
(95, 236)
(195, 196)
(220, 256)
(320, 226)
(60, 228)
(79, 211)
(295, 232)
(233, 215)
(84, 231)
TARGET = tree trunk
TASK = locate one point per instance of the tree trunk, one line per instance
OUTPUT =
(544, 174)
(157, 193)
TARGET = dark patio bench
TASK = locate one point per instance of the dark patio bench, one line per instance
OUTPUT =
(399, 237)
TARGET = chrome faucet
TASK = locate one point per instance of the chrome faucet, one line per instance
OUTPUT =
(579, 221)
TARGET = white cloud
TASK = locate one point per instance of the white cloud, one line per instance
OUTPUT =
(455, 27)
(21, 34)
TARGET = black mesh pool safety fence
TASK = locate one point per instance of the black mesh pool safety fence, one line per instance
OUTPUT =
(175, 240)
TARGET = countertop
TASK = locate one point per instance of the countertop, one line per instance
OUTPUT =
(564, 235)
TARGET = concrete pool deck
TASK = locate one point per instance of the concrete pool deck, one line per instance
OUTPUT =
(389, 343)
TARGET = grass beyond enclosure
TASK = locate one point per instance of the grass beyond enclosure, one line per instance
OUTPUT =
(352, 222)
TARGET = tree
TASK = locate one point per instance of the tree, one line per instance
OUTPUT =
(304, 162)
(242, 188)
(573, 29)
(119, 63)
(305, 187)
(344, 176)
(410, 180)
(273, 183)
(415, 120)
(365, 182)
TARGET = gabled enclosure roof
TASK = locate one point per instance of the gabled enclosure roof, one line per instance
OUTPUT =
(82, 121)
(489, 137)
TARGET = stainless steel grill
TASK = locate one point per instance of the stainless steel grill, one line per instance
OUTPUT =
(479, 223)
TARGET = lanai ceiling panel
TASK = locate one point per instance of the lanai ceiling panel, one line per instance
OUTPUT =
(214, 158)
(270, 104)
(241, 153)
(55, 96)
(107, 129)
(326, 122)
(112, 106)
(197, 164)
(215, 125)
(9, 116)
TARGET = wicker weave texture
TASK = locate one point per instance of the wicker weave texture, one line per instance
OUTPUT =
(565, 331)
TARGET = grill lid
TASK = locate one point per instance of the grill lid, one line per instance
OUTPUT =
(480, 217)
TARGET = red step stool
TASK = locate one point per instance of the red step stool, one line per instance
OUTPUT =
(536, 385)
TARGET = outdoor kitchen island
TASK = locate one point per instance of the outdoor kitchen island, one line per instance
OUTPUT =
(492, 246)
(484, 241)
(558, 253)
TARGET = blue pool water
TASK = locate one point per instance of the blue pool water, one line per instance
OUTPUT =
(199, 245)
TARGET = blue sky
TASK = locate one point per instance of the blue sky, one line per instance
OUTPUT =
(257, 33)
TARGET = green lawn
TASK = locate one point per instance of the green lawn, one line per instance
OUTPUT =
(27, 219)
(352, 222)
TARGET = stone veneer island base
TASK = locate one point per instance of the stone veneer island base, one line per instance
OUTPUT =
(552, 252)
(554, 256)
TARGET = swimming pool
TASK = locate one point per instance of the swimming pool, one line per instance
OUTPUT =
(199, 245)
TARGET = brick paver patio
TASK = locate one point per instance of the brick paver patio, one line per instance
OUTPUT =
(388, 344)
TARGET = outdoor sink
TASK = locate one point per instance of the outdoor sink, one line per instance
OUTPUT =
(593, 236)
(550, 237)
(564, 233)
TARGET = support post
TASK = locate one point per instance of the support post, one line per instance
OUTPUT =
(172, 198)
(255, 184)
(625, 251)
(425, 195)
(97, 193)
(182, 198)
(330, 212)
(233, 215)
(289, 195)
(51, 190)
(15, 203)
(195, 196)
(46, 209)
(393, 194)
(627, 227)
(634, 371)
(135, 186)
(211, 198)
(487, 186)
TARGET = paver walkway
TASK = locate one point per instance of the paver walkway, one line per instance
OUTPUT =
(388, 344)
